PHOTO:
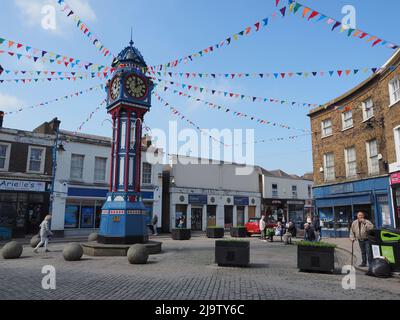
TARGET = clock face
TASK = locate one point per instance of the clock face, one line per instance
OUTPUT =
(115, 89)
(136, 87)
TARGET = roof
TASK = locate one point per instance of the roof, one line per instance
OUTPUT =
(130, 55)
(282, 174)
(394, 60)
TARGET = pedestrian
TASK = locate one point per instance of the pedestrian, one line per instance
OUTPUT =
(359, 232)
(309, 233)
(263, 227)
(292, 229)
(45, 235)
(155, 224)
(317, 228)
(279, 230)
(181, 223)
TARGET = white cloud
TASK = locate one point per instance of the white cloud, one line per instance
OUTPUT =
(9, 103)
(31, 13)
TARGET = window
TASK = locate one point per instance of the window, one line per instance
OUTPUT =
(100, 169)
(368, 109)
(351, 162)
(294, 191)
(77, 162)
(373, 157)
(347, 120)
(146, 177)
(327, 128)
(275, 190)
(397, 142)
(4, 156)
(394, 91)
(309, 192)
(36, 158)
(329, 167)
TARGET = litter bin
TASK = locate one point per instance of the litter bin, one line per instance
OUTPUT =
(386, 243)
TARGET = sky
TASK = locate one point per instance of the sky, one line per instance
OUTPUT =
(164, 30)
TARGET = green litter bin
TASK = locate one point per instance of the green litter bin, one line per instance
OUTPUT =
(386, 243)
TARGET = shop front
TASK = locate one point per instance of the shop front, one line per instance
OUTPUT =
(275, 209)
(395, 185)
(23, 206)
(338, 205)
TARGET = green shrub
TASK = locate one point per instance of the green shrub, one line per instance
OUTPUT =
(316, 244)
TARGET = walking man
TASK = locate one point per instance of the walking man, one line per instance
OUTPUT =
(263, 227)
(359, 232)
(154, 222)
(45, 234)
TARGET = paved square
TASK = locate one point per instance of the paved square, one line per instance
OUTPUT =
(185, 270)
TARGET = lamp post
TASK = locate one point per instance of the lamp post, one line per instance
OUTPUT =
(54, 163)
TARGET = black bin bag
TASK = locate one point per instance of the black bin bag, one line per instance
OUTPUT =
(380, 268)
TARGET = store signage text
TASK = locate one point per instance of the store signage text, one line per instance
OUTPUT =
(19, 185)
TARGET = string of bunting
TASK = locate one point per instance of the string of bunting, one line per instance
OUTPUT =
(90, 117)
(256, 27)
(39, 55)
(36, 80)
(272, 75)
(313, 15)
(182, 117)
(60, 99)
(235, 95)
(229, 110)
(84, 28)
(49, 73)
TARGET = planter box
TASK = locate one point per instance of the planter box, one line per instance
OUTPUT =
(232, 253)
(215, 233)
(319, 259)
(239, 233)
(181, 234)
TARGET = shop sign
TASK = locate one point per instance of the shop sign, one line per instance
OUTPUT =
(296, 202)
(198, 199)
(241, 201)
(395, 178)
(19, 185)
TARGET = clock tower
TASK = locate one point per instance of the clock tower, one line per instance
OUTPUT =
(123, 219)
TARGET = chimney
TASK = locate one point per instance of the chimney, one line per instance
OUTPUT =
(1, 118)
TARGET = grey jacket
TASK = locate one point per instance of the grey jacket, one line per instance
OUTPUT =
(357, 234)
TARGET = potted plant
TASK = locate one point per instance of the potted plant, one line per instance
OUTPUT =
(215, 232)
(181, 234)
(239, 232)
(316, 256)
(232, 253)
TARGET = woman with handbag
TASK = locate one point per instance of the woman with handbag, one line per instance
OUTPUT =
(45, 234)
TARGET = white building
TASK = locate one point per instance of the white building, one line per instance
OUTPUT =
(287, 197)
(82, 183)
(212, 193)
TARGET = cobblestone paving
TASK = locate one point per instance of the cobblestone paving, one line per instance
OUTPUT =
(185, 270)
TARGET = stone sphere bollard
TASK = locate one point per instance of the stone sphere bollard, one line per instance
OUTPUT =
(93, 237)
(138, 254)
(73, 252)
(35, 241)
(12, 250)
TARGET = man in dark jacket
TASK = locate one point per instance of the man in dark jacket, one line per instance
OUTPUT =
(309, 233)
(317, 227)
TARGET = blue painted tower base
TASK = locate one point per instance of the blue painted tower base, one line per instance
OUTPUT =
(123, 220)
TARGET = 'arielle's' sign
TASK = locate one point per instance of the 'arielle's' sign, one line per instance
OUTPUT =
(19, 185)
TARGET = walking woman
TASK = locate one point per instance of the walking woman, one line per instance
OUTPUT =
(45, 234)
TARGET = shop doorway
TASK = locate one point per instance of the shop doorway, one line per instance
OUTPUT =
(240, 216)
(252, 212)
(197, 219)
(228, 217)
(211, 216)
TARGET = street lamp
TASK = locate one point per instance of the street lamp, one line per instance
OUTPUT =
(56, 147)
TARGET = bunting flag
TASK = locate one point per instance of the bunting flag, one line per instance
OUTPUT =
(1, 70)
(39, 55)
(233, 95)
(60, 99)
(230, 110)
(49, 73)
(256, 27)
(84, 28)
(313, 15)
(36, 80)
(182, 117)
(272, 75)
(100, 107)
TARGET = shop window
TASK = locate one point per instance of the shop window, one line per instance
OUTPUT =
(71, 216)
(228, 216)
(100, 167)
(347, 120)
(327, 129)
(98, 215)
(373, 157)
(329, 167)
(368, 109)
(149, 213)
(4, 156)
(394, 90)
(351, 162)
(384, 208)
(181, 214)
(275, 192)
(240, 216)
(146, 175)
(36, 159)
(296, 215)
(77, 162)
(87, 217)
(397, 142)
(211, 216)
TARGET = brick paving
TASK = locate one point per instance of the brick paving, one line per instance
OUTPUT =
(185, 270)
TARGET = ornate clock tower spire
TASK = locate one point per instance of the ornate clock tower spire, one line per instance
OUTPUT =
(128, 100)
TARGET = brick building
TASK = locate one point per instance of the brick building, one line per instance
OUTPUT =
(355, 146)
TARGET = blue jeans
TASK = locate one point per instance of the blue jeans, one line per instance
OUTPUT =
(366, 252)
